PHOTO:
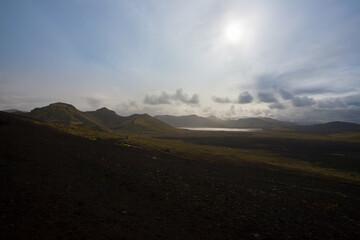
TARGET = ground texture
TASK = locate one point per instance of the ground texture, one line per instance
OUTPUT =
(59, 186)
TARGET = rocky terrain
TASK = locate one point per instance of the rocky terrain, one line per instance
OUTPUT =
(55, 185)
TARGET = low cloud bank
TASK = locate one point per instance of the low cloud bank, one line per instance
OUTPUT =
(221, 100)
(245, 97)
(167, 98)
(267, 97)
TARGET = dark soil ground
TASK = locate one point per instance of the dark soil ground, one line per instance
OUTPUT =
(59, 186)
(334, 154)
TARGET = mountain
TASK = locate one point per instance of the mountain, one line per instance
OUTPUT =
(133, 123)
(330, 127)
(212, 121)
(214, 118)
(107, 120)
(103, 118)
(10, 110)
(107, 117)
(264, 123)
(190, 121)
(143, 123)
(62, 113)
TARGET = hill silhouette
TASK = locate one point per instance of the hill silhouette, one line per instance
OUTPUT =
(107, 120)
(61, 113)
(107, 117)
(143, 123)
(212, 121)
(264, 123)
(102, 118)
(330, 127)
(190, 121)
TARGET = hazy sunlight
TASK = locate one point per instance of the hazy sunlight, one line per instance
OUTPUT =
(233, 32)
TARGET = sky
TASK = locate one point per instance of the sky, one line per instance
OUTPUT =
(290, 60)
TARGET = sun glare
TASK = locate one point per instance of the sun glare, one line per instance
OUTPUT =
(233, 32)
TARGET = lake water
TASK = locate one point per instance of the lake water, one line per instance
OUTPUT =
(223, 129)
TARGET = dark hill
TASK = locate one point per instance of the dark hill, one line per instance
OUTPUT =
(62, 113)
(107, 117)
(331, 127)
(190, 121)
(196, 121)
(102, 118)
(214, 118)
(10, 110)
(264, 123)
(143, 123)
(133, 123)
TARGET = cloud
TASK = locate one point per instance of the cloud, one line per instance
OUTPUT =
(163, 98)
(245, 97)
(339, 103)
(23, 103)
(303, 101)
(231, 112)
(266, 97)
(129, 107)
(324, 115)
(285, 95)
(353, 100)
(221, 100)
(166, 98)
(94, 102)
(183, 97)
(276, 105)
(310, 79)
(133, 107)
(312, 90)
(331, 103)
(2, 100)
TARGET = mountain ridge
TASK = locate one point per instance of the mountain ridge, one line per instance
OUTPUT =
(212, 121)
(107, 120)
(103, 118)
(262, 123)
(62, 113)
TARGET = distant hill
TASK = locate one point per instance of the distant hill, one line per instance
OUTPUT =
(143, 123)
(62, 113)
(214, 118)
(264, 123)
(330, 127)
(190, 121)
(107, 117)
(10, 110)
(107, 120)
(212, 121)
(102, 118)
(133, 123)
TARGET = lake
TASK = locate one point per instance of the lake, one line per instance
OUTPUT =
(222, 129)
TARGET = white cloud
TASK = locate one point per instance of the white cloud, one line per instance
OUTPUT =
(303, 101)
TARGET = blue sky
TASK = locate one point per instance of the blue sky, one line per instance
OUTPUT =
(291, 60)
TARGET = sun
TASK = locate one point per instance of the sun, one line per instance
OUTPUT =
(233, 32)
